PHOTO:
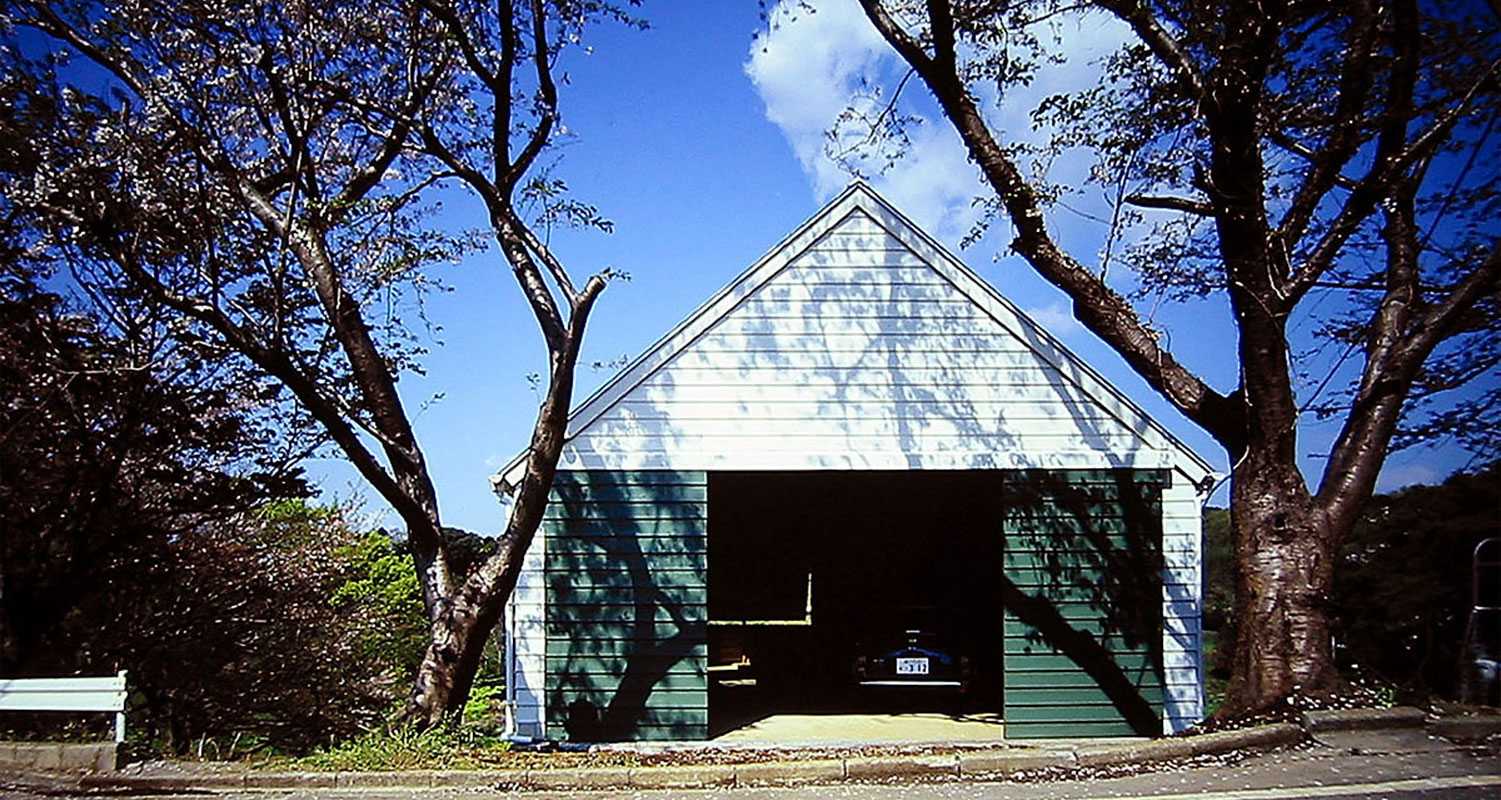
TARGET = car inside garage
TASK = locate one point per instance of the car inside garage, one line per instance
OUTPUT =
(838, 598)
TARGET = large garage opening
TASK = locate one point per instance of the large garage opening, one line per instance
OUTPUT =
(855, 606)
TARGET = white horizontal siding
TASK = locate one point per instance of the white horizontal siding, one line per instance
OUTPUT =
(859, 354)
(864, 343)
(862, 409)
(526, 638)
(859, 274)
(789, 460)
(1182, 605)
(799, 330)
(917, 366)
(675, 436)
(831, 290)
(1025, 399)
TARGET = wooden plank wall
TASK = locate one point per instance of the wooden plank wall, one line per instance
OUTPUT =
(627, 606)
(1083, 603)
(860, 355)
(1182, 605)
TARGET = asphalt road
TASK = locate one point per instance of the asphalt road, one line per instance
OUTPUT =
(1343, 766)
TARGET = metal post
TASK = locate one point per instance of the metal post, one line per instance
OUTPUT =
(1476, 667)
(120, 715)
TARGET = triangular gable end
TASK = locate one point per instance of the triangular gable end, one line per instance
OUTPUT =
(739, 383)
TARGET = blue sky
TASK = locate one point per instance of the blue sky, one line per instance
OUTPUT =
(705, 146)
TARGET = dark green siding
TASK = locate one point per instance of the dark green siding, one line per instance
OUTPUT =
(1083, 603)
(627, 591)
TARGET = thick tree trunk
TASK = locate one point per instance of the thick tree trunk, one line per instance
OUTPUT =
(1284, 559)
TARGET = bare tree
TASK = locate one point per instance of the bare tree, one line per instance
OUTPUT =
(1262, 153)
(509, 52)
(262, 171)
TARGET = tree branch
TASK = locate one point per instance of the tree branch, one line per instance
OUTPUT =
(1397, 355)
(393, 142)
(271, 359)
(1103, 311)
(1136, 14)
(554, 267)
(1368, 193)
(1188, 205)
(459, 32)
(1344, 138)
(547, 99)
(512, 235)
(48, 22)
(895, 35)
(1297, 148)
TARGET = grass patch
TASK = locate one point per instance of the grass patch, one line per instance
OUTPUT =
(404, 748)
(1214, 687)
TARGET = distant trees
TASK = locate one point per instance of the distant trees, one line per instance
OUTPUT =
(1400, 605)
(144, 525)
(1403, 594)
(1313, 165)
(231, 632)
(263, 173)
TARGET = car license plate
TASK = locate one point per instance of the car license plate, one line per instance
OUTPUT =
(911, 666)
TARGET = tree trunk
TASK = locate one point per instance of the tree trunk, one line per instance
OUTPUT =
(460, 633)
(1284, 565)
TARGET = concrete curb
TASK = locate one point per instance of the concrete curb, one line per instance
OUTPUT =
(908, 767)
(1158, 750)
(1360, 719)
(1001, 762)
(790, 773)
(1466, 729)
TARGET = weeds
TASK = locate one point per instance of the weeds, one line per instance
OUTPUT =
(399, 748)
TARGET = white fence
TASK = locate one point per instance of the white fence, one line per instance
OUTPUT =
(67, 694)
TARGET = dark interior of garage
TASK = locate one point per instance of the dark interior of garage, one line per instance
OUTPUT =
(814, 574)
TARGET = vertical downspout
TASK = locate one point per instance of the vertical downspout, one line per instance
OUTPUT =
(510, 662)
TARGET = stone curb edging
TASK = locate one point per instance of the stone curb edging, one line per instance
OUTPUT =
(986, 763)
(91, 756)
(1466, 729)
(1359, 719)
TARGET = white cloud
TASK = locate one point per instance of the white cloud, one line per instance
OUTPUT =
(809, 67)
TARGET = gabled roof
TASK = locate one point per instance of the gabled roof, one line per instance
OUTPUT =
(860, 197)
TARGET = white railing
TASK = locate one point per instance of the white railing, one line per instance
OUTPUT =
(67, 694)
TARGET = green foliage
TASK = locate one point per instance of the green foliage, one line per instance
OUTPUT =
(1219, 563)
(1217, 680)
(441, 747)
(1401, 589)
(383, 596)
(1402, 585)
(484, 711)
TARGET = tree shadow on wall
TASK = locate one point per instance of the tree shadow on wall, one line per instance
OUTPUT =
(620, 655)
(1083, 575)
